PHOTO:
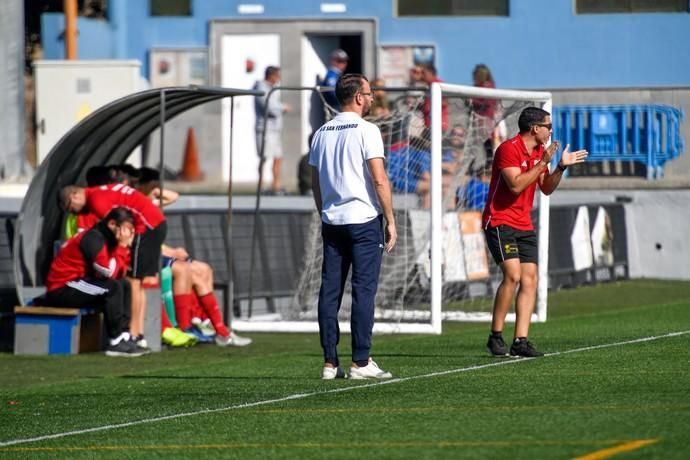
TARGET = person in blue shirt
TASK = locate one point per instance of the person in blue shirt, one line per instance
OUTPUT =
(336, 68)
(472, 196)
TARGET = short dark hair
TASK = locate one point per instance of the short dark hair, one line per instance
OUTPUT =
(120, 215)
(347, 86)
(100, 175)
(126, 172)
(270, 71)
(530, 117)
(147, 175)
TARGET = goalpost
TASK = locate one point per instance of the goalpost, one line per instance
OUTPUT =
(440, 268)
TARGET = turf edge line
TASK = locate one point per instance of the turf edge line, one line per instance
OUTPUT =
(502, 362)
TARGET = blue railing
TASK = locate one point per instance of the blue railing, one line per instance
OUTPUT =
(647, 134)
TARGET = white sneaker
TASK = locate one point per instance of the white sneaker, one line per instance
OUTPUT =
(330, 373)
(370, 371)
(232, 340)
(205, 326)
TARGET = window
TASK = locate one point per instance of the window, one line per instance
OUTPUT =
(171, 7)
(452, 8)
(630, 6)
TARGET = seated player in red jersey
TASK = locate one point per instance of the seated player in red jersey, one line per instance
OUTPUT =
(150, 226)
(88, 271)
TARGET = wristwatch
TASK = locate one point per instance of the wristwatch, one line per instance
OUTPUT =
(562, 168)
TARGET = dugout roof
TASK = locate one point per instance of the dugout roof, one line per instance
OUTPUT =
(107, 136)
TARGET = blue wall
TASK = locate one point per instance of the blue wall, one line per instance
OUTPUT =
(541, 45)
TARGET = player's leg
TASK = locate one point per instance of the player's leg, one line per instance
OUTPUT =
(277, 165)
(336, 264)
(202, 281)
(511, 271)
(503, 247)
(526, 298)
(136, 325)
(367, 252)
(527, 295)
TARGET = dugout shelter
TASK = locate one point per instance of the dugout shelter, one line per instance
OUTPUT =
(107, 136)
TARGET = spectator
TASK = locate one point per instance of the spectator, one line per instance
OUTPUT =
(408, 170)
(269, 118)
(483, 79)
(486, 109)
(88, 271)
(472, 195)
(430, 76)
(337, 66)
(381, 107)
(150, 226)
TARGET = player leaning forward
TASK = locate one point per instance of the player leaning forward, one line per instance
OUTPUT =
(519, 165)
(351, 191)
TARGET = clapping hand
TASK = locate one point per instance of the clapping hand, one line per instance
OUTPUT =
(549, 151)
(571, 158)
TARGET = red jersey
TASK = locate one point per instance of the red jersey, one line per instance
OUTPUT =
(485, 107)
(503, 207)
(100, 200)
(94, 254)
(426, 110)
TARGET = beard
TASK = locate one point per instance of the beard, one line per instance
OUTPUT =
(366, 108)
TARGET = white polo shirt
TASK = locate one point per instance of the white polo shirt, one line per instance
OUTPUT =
(339, 151)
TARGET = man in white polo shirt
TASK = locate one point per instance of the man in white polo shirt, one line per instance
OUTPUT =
(351, 191)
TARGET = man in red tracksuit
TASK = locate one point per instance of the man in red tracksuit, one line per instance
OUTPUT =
(88, 271)
(150, 227)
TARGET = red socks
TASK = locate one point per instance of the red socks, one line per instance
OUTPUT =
(183, 310)
(165, 321)
(210, 305)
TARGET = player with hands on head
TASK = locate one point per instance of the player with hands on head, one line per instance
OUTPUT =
(519, 165)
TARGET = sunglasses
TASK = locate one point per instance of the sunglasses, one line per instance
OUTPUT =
(545, 125)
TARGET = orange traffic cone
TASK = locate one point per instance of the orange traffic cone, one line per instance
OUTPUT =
(190, 165)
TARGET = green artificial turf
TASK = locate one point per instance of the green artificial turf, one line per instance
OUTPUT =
(600, 387)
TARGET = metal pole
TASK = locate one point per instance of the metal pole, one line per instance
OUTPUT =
(257, 221)
(230, 288)
(70, 7)
(161, 155)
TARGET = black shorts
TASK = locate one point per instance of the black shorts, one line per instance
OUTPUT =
(146, 252)
(506, 242)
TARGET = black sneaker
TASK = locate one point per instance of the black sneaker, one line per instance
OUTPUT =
(125, 348)
(496, 346)
(523, 348)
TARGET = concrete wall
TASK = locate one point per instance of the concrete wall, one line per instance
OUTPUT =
(656, 224)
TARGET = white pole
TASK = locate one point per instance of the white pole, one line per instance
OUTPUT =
(543, 236)
(436, 205)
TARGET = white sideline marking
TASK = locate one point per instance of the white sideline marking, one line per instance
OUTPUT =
(502, 362)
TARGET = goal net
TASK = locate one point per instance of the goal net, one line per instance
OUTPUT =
(439, 147)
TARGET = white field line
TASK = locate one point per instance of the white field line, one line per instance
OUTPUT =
(501, 362)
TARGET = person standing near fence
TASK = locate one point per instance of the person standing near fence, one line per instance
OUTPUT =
(351, 192)
(269, 117)
(519, 165)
